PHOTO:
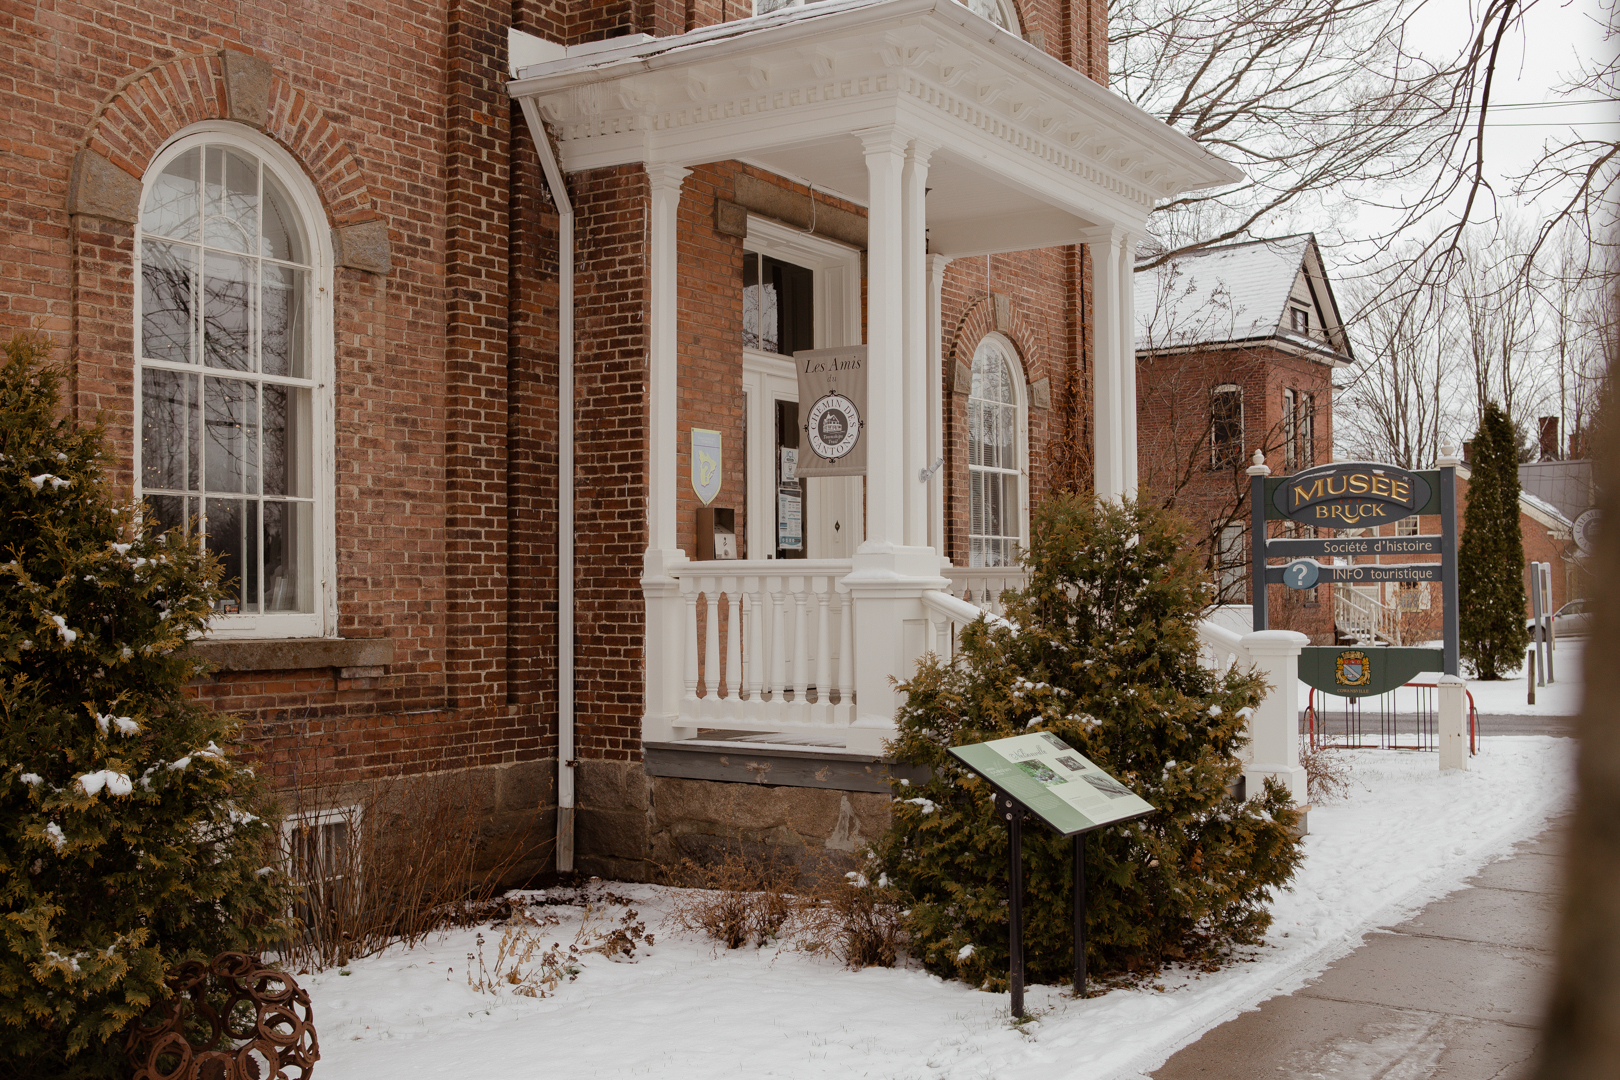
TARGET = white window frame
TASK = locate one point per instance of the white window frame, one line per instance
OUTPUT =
(1215, 461)
(1010, 357)
(322, 621)
(770, 377)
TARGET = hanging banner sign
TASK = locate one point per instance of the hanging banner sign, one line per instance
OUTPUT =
(705, 462)
(1354, 495)
(832, 401)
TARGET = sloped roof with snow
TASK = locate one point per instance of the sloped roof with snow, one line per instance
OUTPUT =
(1239, 293)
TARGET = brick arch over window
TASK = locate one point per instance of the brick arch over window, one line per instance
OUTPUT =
(135, 121)
(995, 312)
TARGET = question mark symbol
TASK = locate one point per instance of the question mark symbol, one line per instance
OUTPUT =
(1299, 574)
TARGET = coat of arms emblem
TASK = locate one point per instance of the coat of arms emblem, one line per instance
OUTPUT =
(1353, 668)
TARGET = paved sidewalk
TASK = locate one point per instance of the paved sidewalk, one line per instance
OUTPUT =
(1454, 993)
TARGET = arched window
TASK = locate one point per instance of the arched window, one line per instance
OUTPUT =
(996, 450)
(997, 11)
(233, 337)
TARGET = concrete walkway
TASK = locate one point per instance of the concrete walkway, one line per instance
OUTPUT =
(1454, 993)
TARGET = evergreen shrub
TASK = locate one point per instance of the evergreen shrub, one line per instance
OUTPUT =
(131, 839)
(1490, 555)
(1101, 650)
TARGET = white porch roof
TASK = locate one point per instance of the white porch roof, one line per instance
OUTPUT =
(1030, 153)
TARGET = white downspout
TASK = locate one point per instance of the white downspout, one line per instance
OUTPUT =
(565, 485)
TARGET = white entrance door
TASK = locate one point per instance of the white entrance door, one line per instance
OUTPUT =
(805, 293)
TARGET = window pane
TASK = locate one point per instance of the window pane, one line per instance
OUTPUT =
(227, 312)
(172, 512)
(1009, 504)
(975, 433)
(288, 548)
(168, 282)
(283, 349)
(286, 424)
(1007, 432)
(250, 559)
(171, 204)
(283, 236)
(164, 424)
(975, 502)
(226, 405)
(224, 525)
(231, 201)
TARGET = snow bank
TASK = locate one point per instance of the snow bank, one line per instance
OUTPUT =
(1404, 836)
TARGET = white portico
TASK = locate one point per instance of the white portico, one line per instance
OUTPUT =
(960, 139)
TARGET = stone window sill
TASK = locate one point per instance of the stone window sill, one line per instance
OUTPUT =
(295, 654)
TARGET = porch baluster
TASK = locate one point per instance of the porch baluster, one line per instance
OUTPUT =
(711, 641)
(823, 644)
(691, 674)
(754, 656)
(801, 642)
(733, 641)
(778, 642)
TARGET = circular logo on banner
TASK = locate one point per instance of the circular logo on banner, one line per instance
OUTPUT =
(833, 426)
(1301, 574)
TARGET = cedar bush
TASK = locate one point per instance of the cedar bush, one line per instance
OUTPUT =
(1490, 555)
(1100, 650)
(131, 839)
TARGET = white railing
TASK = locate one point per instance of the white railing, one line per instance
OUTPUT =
(1360, 613)
(947, 615)
(1220, 648)
(769, 643)
(982, 586)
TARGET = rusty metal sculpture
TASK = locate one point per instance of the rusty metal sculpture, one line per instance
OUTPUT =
(263, 1030)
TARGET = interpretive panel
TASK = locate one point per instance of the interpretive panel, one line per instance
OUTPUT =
(1053, 781)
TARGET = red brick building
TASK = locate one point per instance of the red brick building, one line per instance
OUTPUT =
(415, 308)
(1236, 348)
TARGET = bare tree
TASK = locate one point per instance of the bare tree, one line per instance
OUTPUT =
(1498, 324)
(1399, 401)
(1316, 102)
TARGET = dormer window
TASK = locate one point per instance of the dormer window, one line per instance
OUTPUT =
(1299, 320)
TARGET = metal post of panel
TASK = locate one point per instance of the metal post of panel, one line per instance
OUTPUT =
(1080, 915)
(1015, 906)
(1448, 564)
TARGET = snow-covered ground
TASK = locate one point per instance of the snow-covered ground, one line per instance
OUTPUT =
(1404, 836)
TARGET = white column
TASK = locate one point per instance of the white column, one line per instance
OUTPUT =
(1451, 722)
(662, 359)
(1127, 364)
(914, 276)
(1107, 376)
(1273, 748)
(664, 644)
(885, 340)
(936, 400)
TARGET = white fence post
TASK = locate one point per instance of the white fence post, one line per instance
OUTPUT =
(1453, 732)
(1274, 728)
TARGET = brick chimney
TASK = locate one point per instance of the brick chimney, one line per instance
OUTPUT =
(1468, 451)
(1549, 437)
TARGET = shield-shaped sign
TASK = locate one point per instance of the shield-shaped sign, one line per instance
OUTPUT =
(1354, 669)
(705, 461)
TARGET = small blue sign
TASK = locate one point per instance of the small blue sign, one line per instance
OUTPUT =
(1301, 574)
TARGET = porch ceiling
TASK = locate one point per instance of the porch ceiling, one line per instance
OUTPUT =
(1029, 152)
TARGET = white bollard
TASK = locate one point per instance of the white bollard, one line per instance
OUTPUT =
(1453, 733)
